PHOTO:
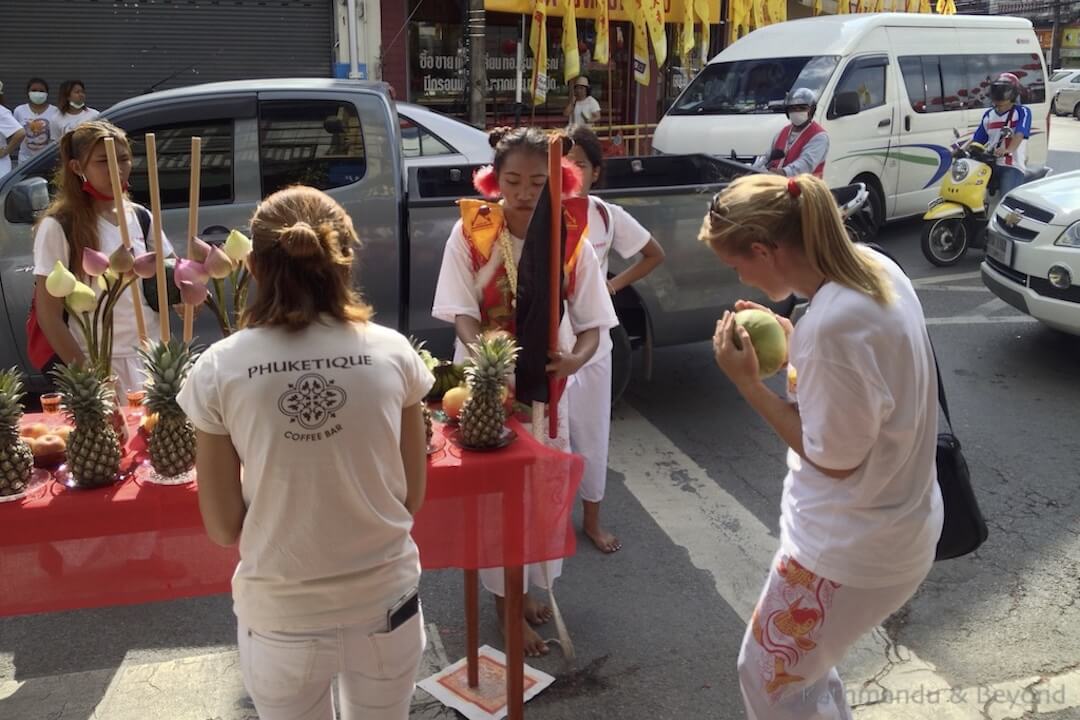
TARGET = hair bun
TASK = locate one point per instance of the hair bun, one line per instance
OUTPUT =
(300, 240)
(567, 144)
(496, 135)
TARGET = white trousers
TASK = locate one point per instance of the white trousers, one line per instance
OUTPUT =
(801, 628)
(589, 394)
(493, 579)
(288, 675)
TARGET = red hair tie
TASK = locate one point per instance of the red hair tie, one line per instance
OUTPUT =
(486, 180)
(793, 188)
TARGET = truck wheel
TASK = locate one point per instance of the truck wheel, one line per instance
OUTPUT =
(1076, 111)
(622, 363)
(945, 241)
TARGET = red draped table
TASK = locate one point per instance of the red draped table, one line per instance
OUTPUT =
(136, 542)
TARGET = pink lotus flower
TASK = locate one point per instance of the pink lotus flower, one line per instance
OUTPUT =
(198, 249)
(190, 271)
(94, 262)
(146, 265)
(192, 293)
(122, 260)
(217, 264)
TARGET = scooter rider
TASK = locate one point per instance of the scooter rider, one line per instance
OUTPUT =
(800, 147)
(1004, 130)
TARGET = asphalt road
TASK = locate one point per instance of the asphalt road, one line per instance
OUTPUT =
(693, 492)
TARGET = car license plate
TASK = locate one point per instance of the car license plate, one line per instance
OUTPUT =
(1000, 248)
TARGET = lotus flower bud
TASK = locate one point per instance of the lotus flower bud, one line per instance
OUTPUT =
(190, 271)
(198, 249)
(82, 298)
(121, 261)
(102, 285)
(146, 265)
(237, 246)
(60, 281)
(94, 263)
(218, 265)
(192, 293)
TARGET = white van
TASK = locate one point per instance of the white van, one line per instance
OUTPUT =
(891, 89)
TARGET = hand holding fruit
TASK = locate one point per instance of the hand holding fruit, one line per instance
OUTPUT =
(738, 361)
(750, 344)
(785, 323)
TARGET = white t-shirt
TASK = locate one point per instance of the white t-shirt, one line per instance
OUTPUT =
(315, 417)
(67, 121)
(8, 127)
(864, 379)
(583, 108)
(459, 290)
(39, 127)
(612, 228)
(50, 245)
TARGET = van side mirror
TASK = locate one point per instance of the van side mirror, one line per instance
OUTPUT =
(26, 200)
(846, 104)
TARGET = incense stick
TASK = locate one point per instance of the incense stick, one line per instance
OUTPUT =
(121, 223)
(159, 259)
(193, 223)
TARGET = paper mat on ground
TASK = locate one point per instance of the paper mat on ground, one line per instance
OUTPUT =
(488, 701)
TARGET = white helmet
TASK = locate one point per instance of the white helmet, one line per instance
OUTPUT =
(801, 96)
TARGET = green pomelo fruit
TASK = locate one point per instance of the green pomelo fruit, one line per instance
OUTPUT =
(768, 338)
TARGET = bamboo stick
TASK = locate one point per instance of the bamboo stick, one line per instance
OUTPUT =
(193, 224)
(121, 222)
(155, 210)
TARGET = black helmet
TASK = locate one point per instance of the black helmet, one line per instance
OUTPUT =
(1005, 88)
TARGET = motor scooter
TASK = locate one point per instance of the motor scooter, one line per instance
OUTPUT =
(957, 219)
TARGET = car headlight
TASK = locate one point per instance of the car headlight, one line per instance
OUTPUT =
(960, 170)
(1071, 237)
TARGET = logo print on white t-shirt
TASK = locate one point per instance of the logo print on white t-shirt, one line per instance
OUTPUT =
(311, 401)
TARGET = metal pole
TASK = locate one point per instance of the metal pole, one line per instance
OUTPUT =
(354, 41)
(1055, 38)
(520, 73)
(477, 64)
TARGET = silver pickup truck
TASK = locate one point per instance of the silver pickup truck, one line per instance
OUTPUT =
(345, 138)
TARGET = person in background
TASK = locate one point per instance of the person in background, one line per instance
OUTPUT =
(11, 135)
(1004, 131)
(801, 147)
(477, 291)
(73, 110)
(583, 108)
(589, 390)
(319, 411)
(82, 215)
(861, 511)
(37, 119)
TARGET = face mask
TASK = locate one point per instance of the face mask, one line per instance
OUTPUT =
(77, 105)
(93, 191)
(39, 98)
(798, 119)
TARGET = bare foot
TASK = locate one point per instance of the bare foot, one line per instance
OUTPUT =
(604, 541)
(536, 613)
(534, 645)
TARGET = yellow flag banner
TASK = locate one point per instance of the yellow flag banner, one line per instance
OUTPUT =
(925, 7)
(571, 56)
(686, 35)
(777, 11)
(843, 7)
(641, 51)
(652, 11)
(879, 6)
(816, 8)
(538, 44)
(618, 10)
(602, 52)
(757, 13)
(702, 13)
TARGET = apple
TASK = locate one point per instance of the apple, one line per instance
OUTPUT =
(454, 400)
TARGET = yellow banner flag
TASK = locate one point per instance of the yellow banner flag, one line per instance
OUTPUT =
(777, 11)
(843, 7)
(816, 8)
(538, 45)
(571, 56)
(686, 37)
(653, 13)
(641, 47)
(879, 6)
(701, 12)
(925, 7)
(601, 53)
(862, 6)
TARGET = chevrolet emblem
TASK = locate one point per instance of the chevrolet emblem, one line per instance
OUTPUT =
(1013, 218)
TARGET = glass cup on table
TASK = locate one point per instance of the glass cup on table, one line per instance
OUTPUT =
(50, 407)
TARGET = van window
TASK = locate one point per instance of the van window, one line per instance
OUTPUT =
(865, 80)
(752, 86)
(1061, 75)
(418, 141)
(936, 83)
(309, 142)
(174, 163)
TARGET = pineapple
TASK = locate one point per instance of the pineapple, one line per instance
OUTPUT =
(484, 413)
(93, 451)
(431, 363)
(16, 459)
(172, 441)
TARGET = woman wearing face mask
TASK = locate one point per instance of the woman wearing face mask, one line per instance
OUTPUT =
(82, 215)
(73, 110)
(800, 147)
(11, 135)
(37, 119)
(477, 288)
